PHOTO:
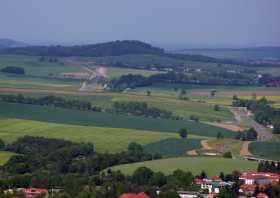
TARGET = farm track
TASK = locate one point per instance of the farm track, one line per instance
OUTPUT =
(245, 149)
(241, 113)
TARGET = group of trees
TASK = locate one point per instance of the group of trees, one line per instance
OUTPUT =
(264, 113)
(55, 156)
(13, 70)
(50, 100)
(203, 77)
(141, 109)
(247, 135)
(268, 167)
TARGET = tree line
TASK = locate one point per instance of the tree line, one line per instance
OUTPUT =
(141, 109)
(50, 100)
(13, 70)
(206, 78)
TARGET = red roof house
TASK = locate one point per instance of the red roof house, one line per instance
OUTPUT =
(34, 192)
(262, 195)
(134, 195)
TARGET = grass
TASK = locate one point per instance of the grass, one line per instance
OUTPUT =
(13, 81)
(172, 147)
(5, 156)
(88, 118)
(211, 165)
(183, 108)
(104, 139)
(234, 146)
(34, 67)
(267, 150)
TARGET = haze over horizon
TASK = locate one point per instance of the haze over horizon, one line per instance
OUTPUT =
(168, 24)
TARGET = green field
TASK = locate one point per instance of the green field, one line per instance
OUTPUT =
(172, 147)
(12, 81)
(33, 67)
(104, 139)
(267, 150)
(88, 118)
(4, 157)
(212, 166)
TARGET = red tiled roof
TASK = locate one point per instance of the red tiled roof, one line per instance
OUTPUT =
(134, 195)
(258, 175)
(262, 195)
(248, 187)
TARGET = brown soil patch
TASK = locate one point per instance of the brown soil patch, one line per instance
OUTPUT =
(245, 149)
(205, 145)
(192, 153)
(232, 127)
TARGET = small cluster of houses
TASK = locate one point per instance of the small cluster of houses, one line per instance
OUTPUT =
(210, 188)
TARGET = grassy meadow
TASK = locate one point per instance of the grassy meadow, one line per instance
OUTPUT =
(211, 165)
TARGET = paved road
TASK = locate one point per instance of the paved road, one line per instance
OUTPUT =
(242, 114)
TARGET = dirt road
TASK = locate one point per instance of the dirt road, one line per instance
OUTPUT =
(245, 149)
(242, 114)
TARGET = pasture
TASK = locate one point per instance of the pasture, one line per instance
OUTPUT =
(104, 139)
(99, 119)
(211, 165)
(34, 67)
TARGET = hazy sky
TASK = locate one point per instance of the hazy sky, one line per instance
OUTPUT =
(165, 22)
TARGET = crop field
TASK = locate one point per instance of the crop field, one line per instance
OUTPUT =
(268, 150)
(88, 118)
(104, 139)
(4, 157)
(172, 147)
(211, 165)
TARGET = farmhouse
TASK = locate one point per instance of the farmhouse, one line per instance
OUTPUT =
(134, 195)
(252, 179)
(34, 192)
(261, 178)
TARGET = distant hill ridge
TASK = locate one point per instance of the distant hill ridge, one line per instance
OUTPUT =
(9, 43)
(114, 48)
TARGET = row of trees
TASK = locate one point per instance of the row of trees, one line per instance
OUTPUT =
(264, 113)
(50, 100)
(269, 167)
(247, 135)
(209, 78)
(141, 109)
(13, 70)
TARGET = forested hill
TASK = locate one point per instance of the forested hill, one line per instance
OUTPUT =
(9, 43)
(109, 49)
(114, 48)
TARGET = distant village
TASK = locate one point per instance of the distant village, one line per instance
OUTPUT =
(209, 187)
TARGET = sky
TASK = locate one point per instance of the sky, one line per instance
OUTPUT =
(167, 23)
